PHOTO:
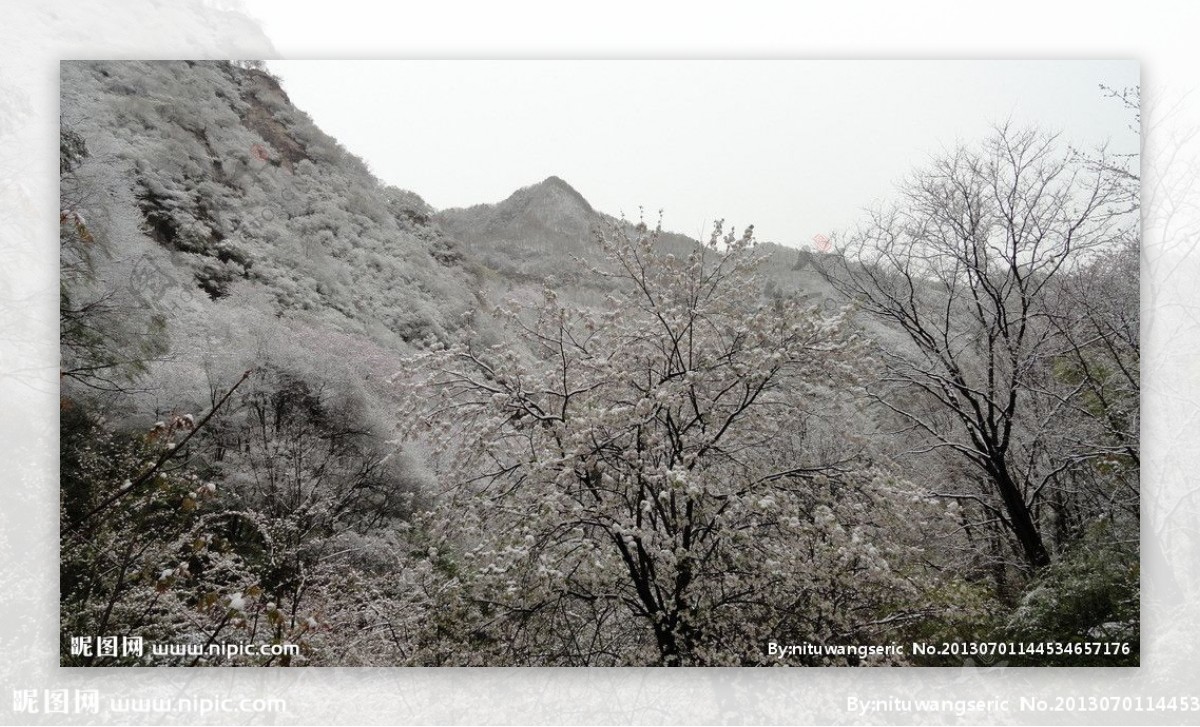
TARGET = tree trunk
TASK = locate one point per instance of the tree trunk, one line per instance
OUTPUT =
(1020, 517)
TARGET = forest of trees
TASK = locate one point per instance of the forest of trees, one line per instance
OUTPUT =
(262, 442)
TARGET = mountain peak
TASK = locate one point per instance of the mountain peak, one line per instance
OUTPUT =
(555, 181)
(532, 231)
(556, 191)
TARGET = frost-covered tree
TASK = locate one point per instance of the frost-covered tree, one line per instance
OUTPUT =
(643, 486)
(969, 268)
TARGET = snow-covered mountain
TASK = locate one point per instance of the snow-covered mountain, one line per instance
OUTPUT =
(217, 187)
(529, 234)
(206, 174)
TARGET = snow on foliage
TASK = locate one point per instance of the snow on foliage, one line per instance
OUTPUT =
(292, 414)
(639, 487)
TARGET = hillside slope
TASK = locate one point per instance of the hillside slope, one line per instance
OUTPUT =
(205, 170)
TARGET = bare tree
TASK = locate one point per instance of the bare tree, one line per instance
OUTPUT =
(968, 266)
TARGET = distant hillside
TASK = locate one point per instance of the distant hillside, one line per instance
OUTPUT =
(535, 232)
(542, 233)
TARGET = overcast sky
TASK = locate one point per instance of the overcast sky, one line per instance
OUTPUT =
(796, 148)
